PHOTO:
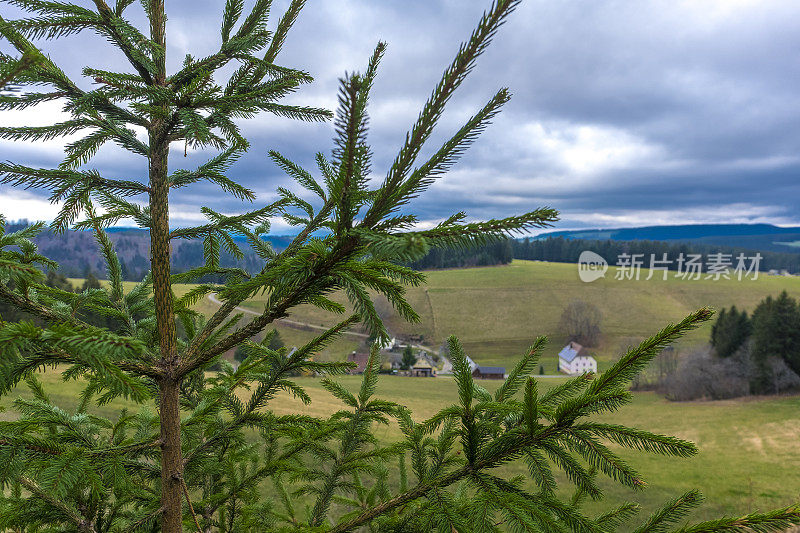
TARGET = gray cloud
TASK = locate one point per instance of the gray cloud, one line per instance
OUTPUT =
(624, 112)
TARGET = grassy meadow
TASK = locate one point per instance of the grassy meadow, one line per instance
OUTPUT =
(498, 311)
(749, 449)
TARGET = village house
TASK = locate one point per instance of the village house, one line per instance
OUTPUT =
(574, 359)
(388, 345)
(489, 372)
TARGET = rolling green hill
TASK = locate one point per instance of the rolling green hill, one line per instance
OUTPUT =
(747, 446)
(498, 311)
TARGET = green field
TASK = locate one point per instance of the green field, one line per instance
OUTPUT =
(749, 449)
(498, 311)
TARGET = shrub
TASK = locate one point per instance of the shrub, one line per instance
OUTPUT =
(703, 375)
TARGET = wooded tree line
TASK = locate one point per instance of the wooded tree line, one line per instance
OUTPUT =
(747, 354)
(771, 337)
(496, 253)
(78, 255)
(561, 250)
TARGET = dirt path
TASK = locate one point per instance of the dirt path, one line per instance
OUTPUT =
(286, 321)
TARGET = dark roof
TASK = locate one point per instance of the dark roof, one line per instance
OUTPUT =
(360, 359)
(491, 369)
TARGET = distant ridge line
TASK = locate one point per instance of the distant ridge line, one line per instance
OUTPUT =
(673, 232)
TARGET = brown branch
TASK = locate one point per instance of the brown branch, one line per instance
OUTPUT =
(193, 359)
(230, 305)
(51, 451)
(31, 447)
(145, 518)
(66, 85)
(45, 313)
(35, 309)
(191, 507)
(107, 14)
(262, 472)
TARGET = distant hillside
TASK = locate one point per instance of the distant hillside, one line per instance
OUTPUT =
(77, 253)
(764, 237)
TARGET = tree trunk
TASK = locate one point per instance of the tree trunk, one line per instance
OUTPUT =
(171, 457)
(169, 385)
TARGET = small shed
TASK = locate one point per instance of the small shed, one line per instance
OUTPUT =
(489, 372)
(423, 369)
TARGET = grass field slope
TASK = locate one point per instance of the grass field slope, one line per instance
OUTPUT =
(498, 311)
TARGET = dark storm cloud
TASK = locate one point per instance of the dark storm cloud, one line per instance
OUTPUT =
(623, 112)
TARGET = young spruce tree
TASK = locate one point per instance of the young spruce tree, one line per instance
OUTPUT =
(213, 457)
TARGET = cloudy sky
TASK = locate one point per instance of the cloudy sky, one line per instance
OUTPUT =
(624, 112)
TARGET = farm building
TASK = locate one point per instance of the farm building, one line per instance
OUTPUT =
(574, 359)
(360, 359)
(423, 369)
(489, 372)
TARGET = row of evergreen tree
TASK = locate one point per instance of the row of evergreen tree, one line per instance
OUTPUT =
(563, 250)
(772, 331)
(496, 253)
(554, 249)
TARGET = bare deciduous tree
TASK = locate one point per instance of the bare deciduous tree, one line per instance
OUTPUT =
(580, 321)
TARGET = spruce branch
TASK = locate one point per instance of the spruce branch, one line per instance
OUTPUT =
(672, 512)
(637, 358)
(139, 471)
(66, 510)
(771, 521)
(452, 78)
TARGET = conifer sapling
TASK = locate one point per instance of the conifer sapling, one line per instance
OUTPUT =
(204, 452)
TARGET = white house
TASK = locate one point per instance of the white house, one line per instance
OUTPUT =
(574, 359)
(388, 344)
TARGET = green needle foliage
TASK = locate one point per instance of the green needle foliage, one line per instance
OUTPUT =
(204, 452)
